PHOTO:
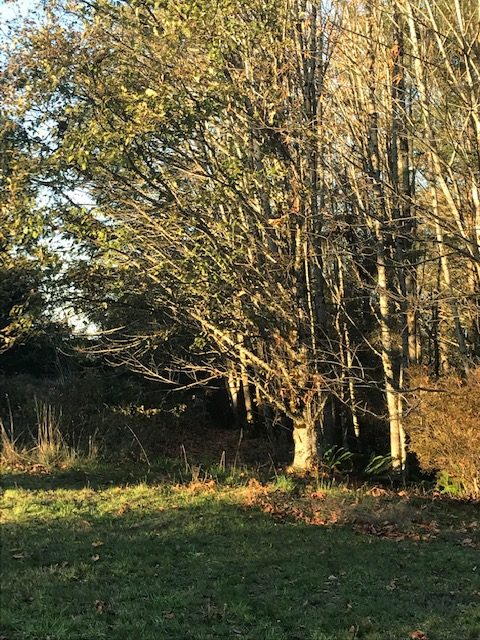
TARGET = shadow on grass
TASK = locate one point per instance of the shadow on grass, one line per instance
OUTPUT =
(216, 570)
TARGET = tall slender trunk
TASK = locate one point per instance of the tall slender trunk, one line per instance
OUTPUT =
(374, 167)
(346, 354)
(397, 434)
(234, 388)
(445, 269)
(401, 183)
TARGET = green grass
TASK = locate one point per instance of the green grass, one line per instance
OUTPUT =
(152, 561)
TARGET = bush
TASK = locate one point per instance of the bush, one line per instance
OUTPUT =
(444, 430)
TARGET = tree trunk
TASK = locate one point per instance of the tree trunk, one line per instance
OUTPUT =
(234, 386)
(397, 435)
(305, 442)
(306, 426)
(247, 398)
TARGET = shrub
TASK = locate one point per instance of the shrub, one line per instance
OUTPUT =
(444, 430)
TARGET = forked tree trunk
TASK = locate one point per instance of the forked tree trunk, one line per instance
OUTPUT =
(305, 443)
(305, 433)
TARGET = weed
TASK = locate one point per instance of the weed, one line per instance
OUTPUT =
(10, 452)
(46, 447)
(378, 465)
(51, 447)
(449, 486)
(284, 482)
(337, 460)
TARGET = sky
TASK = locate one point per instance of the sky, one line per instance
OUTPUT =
(14, 9)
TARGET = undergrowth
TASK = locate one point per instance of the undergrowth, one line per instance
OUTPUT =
(444, 430)
(47, 446)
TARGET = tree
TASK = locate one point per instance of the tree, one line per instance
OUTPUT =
(202, 145)
(273, 187)
(23, 259)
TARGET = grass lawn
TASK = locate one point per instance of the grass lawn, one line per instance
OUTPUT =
(145, 561)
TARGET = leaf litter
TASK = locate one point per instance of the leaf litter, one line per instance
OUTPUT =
(382, 517)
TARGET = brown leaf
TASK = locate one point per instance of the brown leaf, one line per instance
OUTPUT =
(467, 542)
(100, 606)
(98, 543)
(377, 491)
(125, 508)
(418, 635)
(392, 585)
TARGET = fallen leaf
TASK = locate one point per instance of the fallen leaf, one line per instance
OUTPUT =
(98, 543)
(467, 542)
(392, 585)
(95, 558)
(125, 508)
(100, 606)
(377, 491)
(418, 635)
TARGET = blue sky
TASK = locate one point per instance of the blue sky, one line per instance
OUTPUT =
(14, 9)
(11, 9)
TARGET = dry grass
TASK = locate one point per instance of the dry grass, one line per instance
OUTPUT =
(46, 448)
(10, 454)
